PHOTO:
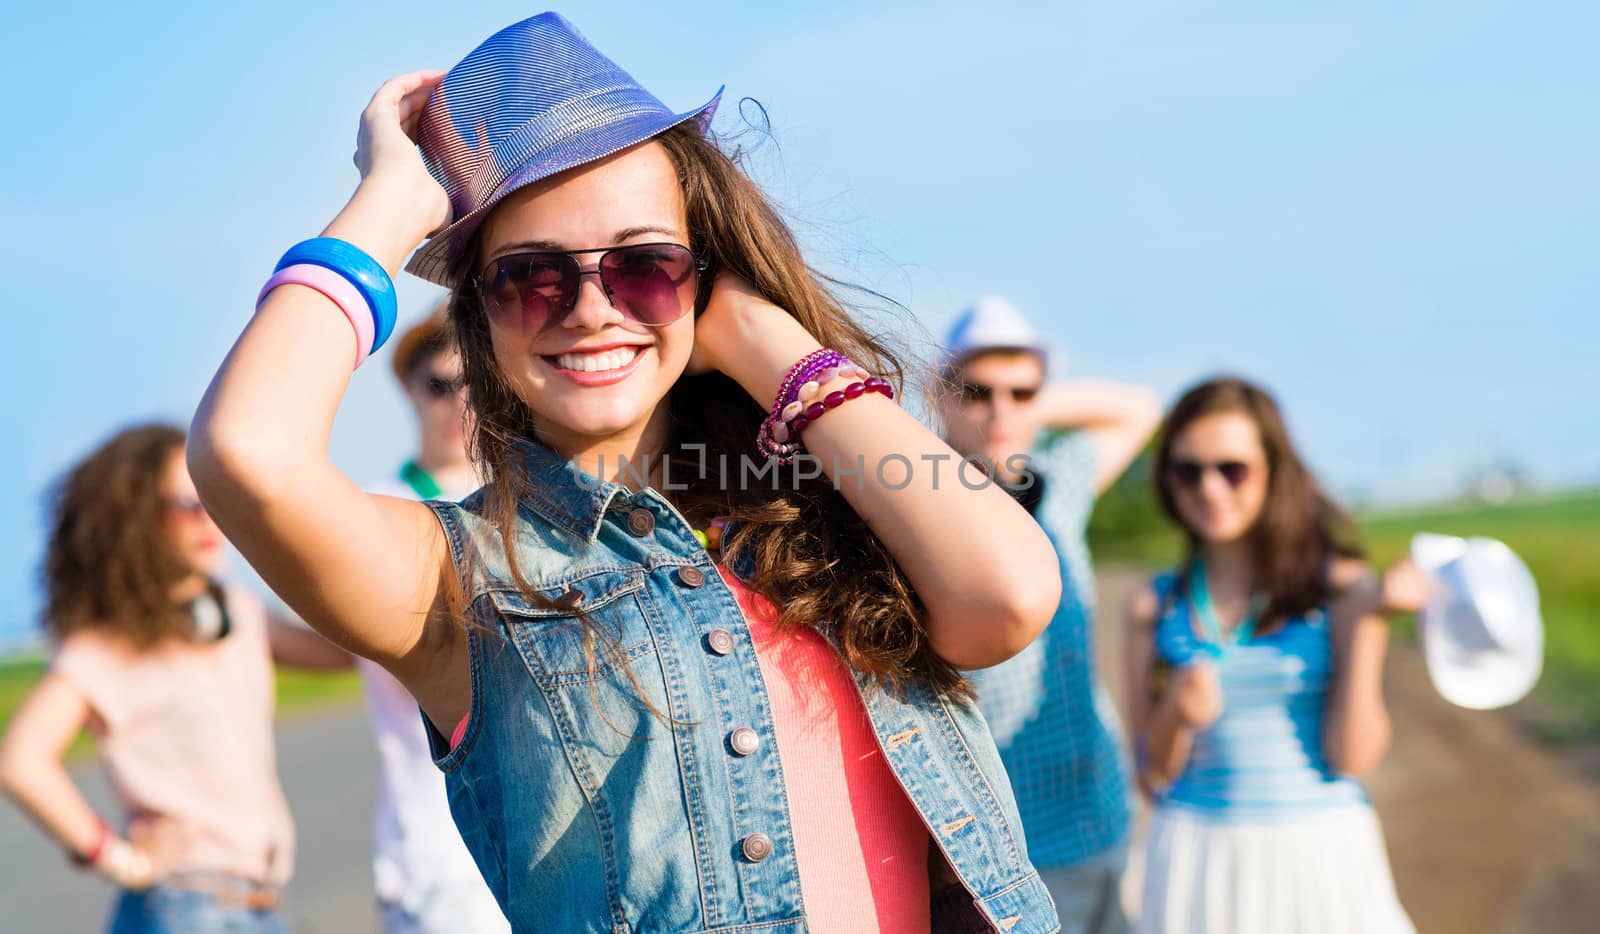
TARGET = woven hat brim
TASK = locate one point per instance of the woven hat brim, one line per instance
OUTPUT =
(433, 260)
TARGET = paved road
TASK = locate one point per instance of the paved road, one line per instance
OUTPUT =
(1487, 833)
(328, 766)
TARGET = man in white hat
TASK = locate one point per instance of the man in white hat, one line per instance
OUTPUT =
(1055, 726)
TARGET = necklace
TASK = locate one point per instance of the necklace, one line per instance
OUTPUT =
(710, 538)
(1218, 642)
(420, 481)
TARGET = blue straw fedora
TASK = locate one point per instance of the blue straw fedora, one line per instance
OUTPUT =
(533, 100)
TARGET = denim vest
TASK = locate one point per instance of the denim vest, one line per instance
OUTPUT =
(587, 810)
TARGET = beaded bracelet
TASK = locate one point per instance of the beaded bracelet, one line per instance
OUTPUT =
(794, 381)
(795, 378)
(797, 405)
(783, 429)
(835, 399)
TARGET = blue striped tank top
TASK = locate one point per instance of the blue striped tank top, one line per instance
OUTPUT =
(1262, 759)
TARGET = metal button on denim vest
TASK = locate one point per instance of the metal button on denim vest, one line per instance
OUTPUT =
(631, 782)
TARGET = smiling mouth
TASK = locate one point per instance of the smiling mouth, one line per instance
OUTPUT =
(604, 361)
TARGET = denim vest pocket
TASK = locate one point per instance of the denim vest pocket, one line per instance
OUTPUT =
(594, 628)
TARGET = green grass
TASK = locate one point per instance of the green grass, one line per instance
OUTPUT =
(1559, 538)
(298, 692)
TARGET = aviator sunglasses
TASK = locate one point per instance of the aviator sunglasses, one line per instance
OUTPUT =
(971, 392)
(652, 283)
(1189, 474)
(440, 387)
(185, 507)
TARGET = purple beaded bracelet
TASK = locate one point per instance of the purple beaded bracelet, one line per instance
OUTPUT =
(801, 383)
(835, 399)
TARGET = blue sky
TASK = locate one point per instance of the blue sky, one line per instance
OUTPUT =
(1389, 213)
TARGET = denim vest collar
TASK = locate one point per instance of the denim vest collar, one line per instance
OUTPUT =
(565, 494)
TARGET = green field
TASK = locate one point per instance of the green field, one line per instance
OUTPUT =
(298, 691)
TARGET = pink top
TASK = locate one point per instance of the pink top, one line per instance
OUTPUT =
(869, 871)
(878, 857)
(185, 731)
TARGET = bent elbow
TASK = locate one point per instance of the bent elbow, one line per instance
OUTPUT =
(1033, 604)
(230, 464)
(15, 771)
(1010, 623)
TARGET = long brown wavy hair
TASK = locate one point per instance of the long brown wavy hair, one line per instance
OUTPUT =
(110, 563)
(813, 556)
(1300, 529)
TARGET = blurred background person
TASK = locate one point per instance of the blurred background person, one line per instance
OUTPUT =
(1055, 725)
(172, 674)
(1256, 697)
(426, 880)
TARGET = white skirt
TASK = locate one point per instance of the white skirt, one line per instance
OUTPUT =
(1324, 873)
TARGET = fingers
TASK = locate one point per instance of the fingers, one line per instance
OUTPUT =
(405, 95)
(400, 86)
(414, 99)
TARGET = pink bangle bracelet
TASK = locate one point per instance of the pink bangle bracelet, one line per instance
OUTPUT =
(338, 290)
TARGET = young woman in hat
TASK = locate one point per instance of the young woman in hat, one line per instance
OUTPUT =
(640, 731)
(172, 673)
(1255, 672)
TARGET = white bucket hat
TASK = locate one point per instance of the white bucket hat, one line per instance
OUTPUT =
(1482, 634)
(992, 323)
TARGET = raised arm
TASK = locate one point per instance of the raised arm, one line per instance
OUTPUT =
(363, 570)
(1163, 729)
(984, 570)
(1356, 729)
(1118, 417)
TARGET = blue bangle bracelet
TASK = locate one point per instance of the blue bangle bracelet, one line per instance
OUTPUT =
(364, 272)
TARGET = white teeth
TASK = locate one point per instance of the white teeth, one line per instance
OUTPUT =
(598, 362)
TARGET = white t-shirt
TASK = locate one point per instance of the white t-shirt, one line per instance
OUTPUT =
(419, 863)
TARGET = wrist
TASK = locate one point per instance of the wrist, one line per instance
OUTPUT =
(755, 343)
(89, 855)
(126, 865)
(384, 218)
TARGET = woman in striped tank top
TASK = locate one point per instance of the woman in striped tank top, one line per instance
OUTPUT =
(1257, 699)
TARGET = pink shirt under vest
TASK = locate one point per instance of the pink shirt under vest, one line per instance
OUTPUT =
(185, 731)
(861, 847)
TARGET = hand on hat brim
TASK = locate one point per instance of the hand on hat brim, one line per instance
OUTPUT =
(1405, 587)
(389, 161)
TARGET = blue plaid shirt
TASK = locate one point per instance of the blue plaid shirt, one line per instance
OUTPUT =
(1056, 728)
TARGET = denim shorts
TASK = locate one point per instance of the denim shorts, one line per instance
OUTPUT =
(168, 910)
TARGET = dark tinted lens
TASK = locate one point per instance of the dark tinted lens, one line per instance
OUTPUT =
(439, 387)
(186, 506)
(527, 292)
(1234, 472)
(976, 392)
(654, 283)
(1188, 473)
